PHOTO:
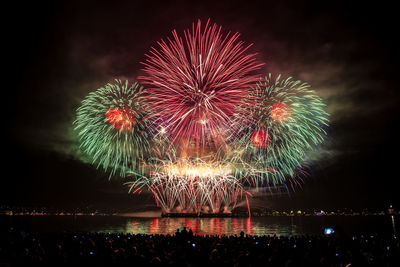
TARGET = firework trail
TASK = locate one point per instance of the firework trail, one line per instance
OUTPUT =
(276, 127)
(192, 186)
(194, 85)
(111, 129)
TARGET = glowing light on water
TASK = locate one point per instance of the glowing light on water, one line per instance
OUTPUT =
(394, 226)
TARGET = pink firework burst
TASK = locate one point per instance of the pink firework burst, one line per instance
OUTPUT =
(193, 85)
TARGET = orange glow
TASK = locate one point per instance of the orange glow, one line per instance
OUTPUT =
(185, 169)
(248, 226)
(154, 226)
(280, 112)
(122, 119)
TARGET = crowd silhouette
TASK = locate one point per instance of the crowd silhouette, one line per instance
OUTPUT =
(19, 248)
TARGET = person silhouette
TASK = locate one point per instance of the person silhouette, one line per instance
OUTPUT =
(190, 233)
(184, 232)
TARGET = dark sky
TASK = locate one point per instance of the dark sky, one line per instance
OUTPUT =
(56, 54)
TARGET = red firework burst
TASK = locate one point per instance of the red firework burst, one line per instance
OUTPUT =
(260, 138)
(121, 119)
(194, 86)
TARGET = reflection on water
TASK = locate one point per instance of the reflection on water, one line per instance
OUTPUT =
(279, 225)
(205, 226)
(393, 225)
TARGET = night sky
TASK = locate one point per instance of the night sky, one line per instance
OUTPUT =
(56, 54)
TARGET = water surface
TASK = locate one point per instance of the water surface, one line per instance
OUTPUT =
(279, 225)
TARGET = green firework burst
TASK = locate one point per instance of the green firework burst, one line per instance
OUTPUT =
(111, 127)
(276, 127)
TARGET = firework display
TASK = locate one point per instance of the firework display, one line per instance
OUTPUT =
(192, 186)
(276, 126)
(111, 129)
(205, 129)
(194, 86)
